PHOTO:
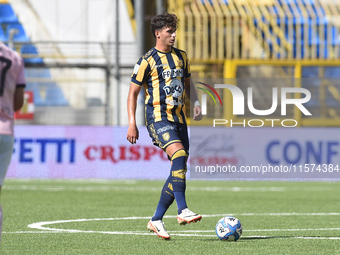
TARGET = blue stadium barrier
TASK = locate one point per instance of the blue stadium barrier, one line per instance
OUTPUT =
(310, 72)
(30, 49)
(330, 100)
(332, 72)
(55, 96)
(33, 86)
(37, 98)
(312, 83)
(7, 15)
(38, 72)
(311, 80)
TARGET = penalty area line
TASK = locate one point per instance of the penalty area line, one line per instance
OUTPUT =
(194, 233)
(31, 232)
(260, 230)
(41, 225)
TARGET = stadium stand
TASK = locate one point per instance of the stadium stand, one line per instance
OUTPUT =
(30, 49)
(285, 29)
(53, 95)
(266, 39)
(7, 14)
(46, 93)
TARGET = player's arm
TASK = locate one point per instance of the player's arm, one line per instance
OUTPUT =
(18, 98)
(133, 133)
(190, 91)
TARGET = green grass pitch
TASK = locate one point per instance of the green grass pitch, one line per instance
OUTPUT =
(95, 217)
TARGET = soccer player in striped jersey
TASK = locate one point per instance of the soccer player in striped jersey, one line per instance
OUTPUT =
(164, 72)
(12, 84)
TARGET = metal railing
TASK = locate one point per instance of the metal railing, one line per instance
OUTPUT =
(214, 30)
(74, 82)
(96, 53)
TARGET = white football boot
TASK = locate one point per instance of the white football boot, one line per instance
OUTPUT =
(157, 226)
(187, 216)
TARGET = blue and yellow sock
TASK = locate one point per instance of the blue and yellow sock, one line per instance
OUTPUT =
(166, 199)
(178, 174)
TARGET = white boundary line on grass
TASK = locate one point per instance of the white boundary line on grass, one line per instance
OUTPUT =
(41, 226)
(141, 188)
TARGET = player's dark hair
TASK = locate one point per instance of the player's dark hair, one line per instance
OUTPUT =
(162, 21)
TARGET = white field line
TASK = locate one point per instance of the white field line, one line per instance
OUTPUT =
(39, 225)
(121, 188)
(31, 232)
(42, 226)
(173, 233)
(261, 230)
(157, 189)
(185, 231)
(73, 181)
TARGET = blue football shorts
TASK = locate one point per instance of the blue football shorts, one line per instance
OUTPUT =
(6, 151)
(164, 133)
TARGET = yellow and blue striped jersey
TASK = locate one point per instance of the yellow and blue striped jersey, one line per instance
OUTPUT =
(163, 76)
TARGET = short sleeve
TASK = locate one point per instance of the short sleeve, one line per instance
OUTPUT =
(187, 72)
(140, 72)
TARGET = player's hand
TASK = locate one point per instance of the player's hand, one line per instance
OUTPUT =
(197, 113)
(132, 134)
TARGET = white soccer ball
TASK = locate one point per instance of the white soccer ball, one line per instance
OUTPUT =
(228, 229)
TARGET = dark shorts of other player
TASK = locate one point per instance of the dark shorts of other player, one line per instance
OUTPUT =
(164, 133)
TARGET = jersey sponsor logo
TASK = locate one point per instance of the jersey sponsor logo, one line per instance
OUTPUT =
(175, 88)
(172, 73)
(163, 129)
(135, 70)
(161, 65)
(174, 102)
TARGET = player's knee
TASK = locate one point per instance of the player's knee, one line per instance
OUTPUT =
(179, 159)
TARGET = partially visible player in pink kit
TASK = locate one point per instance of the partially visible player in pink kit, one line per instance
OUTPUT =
(12, 84)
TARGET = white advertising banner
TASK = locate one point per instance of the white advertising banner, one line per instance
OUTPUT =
(85, 152)
(219, 152)
(104, 152)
